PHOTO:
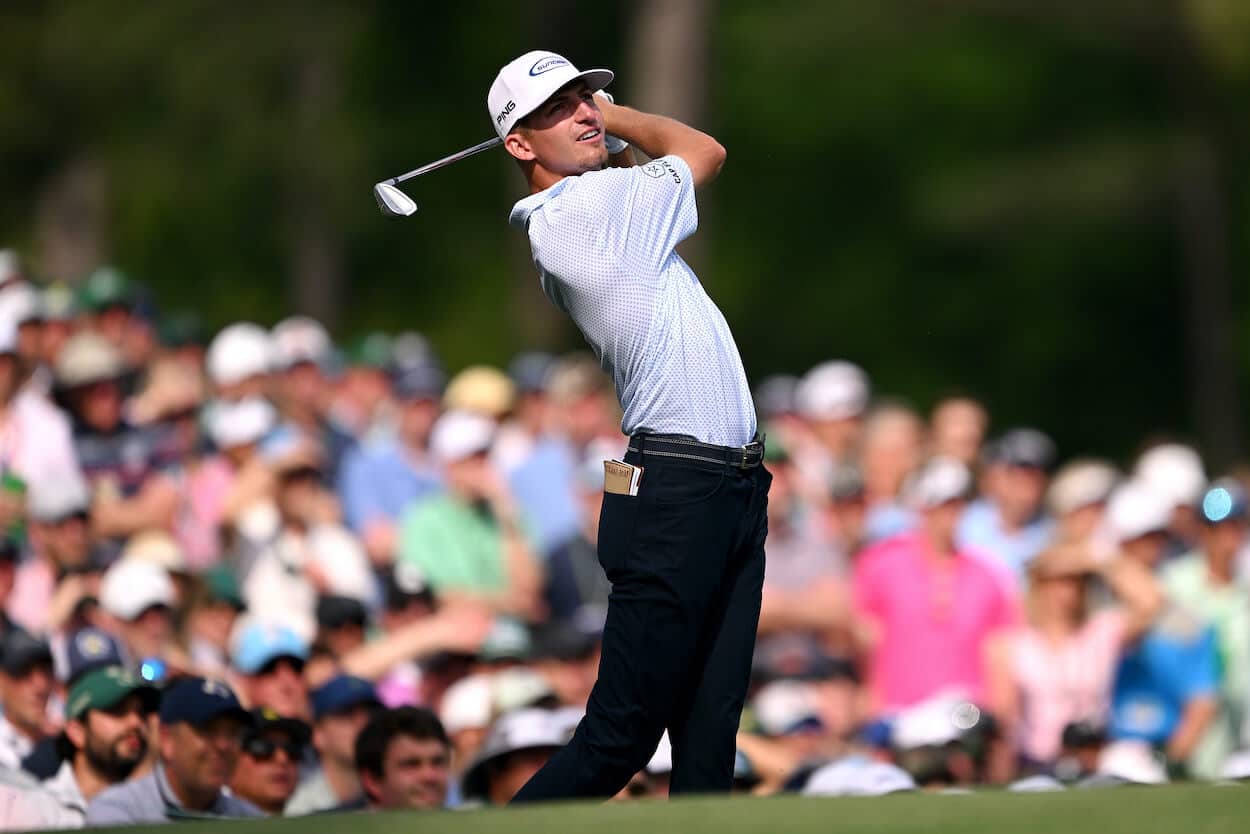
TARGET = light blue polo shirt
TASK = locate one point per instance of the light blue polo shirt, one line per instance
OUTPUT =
(604, 244)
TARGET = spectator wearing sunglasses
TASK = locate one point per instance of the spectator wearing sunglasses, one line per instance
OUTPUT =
(268, 770)
(202, 727)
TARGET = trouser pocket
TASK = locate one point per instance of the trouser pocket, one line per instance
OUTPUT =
(618, 521)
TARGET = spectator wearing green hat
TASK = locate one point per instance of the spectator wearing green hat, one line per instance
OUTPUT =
(211, 615)
(104, 741)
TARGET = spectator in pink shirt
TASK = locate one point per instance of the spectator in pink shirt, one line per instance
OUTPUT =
(1058, 668)
(926, 608)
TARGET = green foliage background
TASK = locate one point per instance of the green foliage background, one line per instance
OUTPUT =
(961, 196)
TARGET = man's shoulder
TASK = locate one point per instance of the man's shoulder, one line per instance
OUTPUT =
(137, 801)
(234, 806)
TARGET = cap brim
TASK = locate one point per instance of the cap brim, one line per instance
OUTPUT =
(596, 80)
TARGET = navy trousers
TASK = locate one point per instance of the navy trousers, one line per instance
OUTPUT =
(686, 561)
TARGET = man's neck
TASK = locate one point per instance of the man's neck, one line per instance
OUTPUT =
(342, 780)
(32, 734)
(187, 798)
(940, 549)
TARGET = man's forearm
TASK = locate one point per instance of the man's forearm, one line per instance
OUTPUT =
(660, 136)
(1195, 719)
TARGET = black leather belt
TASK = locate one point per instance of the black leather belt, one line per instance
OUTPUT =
(687, 448)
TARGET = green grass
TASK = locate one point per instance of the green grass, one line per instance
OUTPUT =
(1171, 810)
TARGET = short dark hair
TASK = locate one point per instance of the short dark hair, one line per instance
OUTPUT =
(387, 724)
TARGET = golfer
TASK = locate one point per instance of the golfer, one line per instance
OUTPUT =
(683, 545)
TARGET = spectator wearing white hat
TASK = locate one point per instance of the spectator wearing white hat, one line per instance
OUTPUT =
(139, 598)
(470, 540)
(1167, 685)
(122, 462)
(58, 528)
(302, 351)
(1009, 524)
(925, 606)
(1077, 498)
(518, 745)
(379, 480)
(239, 361)
(832, 399)
(1175, 471)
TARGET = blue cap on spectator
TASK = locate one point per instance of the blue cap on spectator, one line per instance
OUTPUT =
(1225, 501)
(422, 381)
(259, 644)
(198, 701)
(341, 693)
(529, 371)
(1025, 447)
(89, 649)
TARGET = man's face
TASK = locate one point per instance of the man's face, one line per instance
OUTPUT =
(942, 521)
(26, 695)
(149, 634)
(416, 419)
(335, 736)
(268, 769)
(564, 135)
(100, 405)
(114, 740)
(414, 774)
(303, 385)
(280, 686)
(66, 542)
(202, 757)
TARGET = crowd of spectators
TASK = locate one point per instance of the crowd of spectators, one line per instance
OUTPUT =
(259, 573)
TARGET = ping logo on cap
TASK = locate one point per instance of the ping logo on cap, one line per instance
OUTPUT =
(503, 114)
(546, 64)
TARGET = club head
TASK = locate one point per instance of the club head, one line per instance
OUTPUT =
(392, 201)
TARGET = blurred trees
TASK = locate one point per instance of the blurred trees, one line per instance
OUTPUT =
(1042, 203)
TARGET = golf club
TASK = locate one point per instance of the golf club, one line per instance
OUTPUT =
(396, 203)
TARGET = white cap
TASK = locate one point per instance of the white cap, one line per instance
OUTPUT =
(1174, 471)
(239, 351)
(20, 302)
(241, 423)
(158, 548)
(300, 339)
(460, 434)
(858, 776)
(131, 587)
(940, 480)
(50, 500)
(526, 82)
(1081, 483)
(518, 688)
(780, 707)
(86, 358)
(1135, 509)
(467, 704)
(1132, 761)
(832, 391)
(933, 723)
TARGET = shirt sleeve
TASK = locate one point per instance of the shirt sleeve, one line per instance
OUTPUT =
(109, 810)
(647, 209)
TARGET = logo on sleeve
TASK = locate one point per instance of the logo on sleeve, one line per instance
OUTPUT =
(659, 168)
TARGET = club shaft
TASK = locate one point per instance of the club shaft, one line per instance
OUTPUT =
(447, 160)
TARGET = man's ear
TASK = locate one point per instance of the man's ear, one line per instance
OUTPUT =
(371, 786)
(76, 733)
(517, 144)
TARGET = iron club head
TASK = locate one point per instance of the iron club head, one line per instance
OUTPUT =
(392, 201)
